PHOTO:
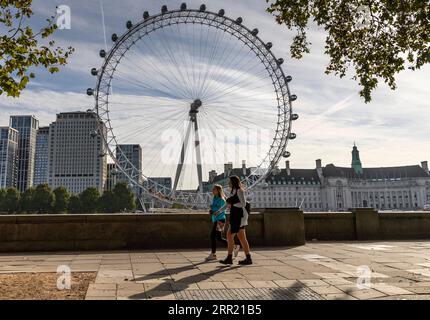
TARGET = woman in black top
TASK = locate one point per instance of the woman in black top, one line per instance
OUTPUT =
(238, 221)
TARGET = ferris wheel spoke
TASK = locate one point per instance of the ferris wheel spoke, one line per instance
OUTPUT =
(130, 65)
(245, 77)
(219, 72)
(150, 126)
(139, 106)
(136, 85)
(262, 117)
(215, 42)
(241, 81)
(234, 88)
(219, 133)
(174, 62)
(199, 57)
(193, 59)
(225, 59)
(144, 62)
(253, 102)
(156, 88)
(231, 63)
(171, 87)
(212, 126)
(155, 158)
(213, 57)
(238, 118)
(185, 57)
(157, 104)
(170, 76)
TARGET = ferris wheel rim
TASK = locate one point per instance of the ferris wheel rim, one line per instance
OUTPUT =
(210, 19)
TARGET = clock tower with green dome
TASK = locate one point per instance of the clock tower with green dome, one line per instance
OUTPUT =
(356, 162)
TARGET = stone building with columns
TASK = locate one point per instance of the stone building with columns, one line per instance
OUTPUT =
(384, 188)
(333, 188)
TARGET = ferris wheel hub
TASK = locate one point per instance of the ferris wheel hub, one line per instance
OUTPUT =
(195, 108)
(196, 104)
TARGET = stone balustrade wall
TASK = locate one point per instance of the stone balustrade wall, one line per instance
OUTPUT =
(273, 227)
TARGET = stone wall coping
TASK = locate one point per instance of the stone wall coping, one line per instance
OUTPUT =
(115, 217)
(404, 214)
(328, 214)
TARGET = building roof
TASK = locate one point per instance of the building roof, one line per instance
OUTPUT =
(86, 114)
(304, 175)
(234, 172)
(376, 173)
(8, 128)
(43, 130)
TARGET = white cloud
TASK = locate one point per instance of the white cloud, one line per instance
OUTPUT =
(45, 104)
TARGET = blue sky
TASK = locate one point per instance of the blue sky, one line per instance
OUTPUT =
(391, 130)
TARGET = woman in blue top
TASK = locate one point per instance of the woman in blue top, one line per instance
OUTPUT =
(218, 220)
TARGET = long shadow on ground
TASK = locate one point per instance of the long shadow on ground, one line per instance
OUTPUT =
(165, 288)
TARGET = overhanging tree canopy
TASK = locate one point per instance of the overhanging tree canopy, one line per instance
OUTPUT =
(21, 48)
(378, 38)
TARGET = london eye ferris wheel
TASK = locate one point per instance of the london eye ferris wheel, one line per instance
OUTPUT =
(196, 89)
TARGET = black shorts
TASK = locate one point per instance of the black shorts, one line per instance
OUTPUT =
(236, 215)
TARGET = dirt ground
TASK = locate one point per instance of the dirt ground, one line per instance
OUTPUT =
(43, 286)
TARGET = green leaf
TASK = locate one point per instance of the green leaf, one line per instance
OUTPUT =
(20, 49)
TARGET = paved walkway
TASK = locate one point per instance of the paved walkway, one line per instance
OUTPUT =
(347, 270)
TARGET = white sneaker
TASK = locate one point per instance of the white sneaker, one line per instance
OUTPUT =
(211, 257)
(236, 250)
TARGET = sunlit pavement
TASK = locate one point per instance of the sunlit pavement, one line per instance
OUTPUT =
(335, 270)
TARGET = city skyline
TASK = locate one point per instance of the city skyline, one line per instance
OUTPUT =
(392, 127)
(74, 159)
(310, 162)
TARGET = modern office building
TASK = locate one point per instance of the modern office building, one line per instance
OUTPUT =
(77, 156)
(41, 157)
(164, 183)
(131, 153)
(9, 139)
(159, 187)
(27, 127)
(333, 188)
(112, 176)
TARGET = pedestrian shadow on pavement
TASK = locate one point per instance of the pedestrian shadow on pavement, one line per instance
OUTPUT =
(296, 291)
(167, 287)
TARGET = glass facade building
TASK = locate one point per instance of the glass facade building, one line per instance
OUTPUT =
(133, 153)
(27, 127)
(8, 157)
(41, 157)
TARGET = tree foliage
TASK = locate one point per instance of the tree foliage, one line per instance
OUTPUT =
(124, 198)
(43, 199)
(107, 202)
(2, 199)
(62, 198)
(21, 48)
(74, 204)
(11, 200)
(27, 204)
(89, 200)
(378, 39)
